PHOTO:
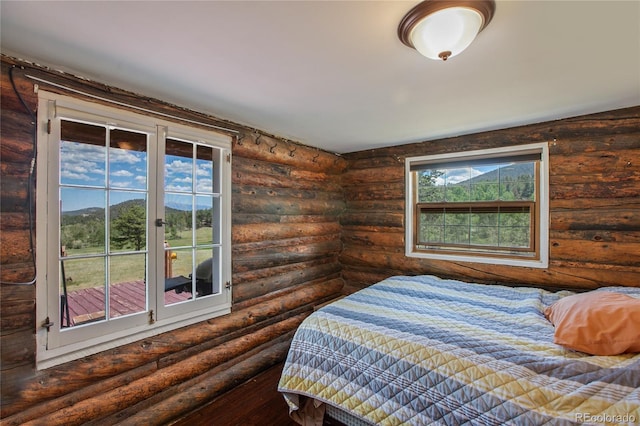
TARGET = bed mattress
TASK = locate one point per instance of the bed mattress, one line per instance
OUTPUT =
(423, 350)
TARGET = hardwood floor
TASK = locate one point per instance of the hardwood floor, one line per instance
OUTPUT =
(254, 403)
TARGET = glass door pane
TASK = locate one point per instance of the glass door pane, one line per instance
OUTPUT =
(191, 211)
(103, 225)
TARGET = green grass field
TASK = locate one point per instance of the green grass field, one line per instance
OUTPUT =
(91, 272)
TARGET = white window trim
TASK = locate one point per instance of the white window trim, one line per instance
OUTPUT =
(543, 203)
(167, 318)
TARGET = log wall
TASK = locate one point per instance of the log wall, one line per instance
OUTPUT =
(304, 222)
(286, 241)
(594, 206)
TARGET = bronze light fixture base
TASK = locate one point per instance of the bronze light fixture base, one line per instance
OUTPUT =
(486, 8)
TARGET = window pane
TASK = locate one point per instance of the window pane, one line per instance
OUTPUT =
(457, 219)
(204, 169)
(457, 183)
(178, 166)
(484, 184)
(190, 201)
(82, 222)
(457, 234)
(128, 160)
(178, 269)
(515, 229)
(82, 286)
(82, 154)
(128, 289)
(486, 218)
(431, 227)
(207, 273)
(517, 181)
(485, 235)
(128, 214)
(430, 186)
(178, 211)
(205, 220)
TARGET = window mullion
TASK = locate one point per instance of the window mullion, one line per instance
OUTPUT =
(156, 254)
(107, 227)
(53, 223)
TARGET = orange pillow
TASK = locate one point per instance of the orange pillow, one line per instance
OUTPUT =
(598, 323)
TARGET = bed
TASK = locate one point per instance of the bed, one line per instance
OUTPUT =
(424, 350)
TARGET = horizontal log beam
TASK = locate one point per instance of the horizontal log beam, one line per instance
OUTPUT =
(353, 177)
(276, 253)
(24, 392)
(222, 379)
(315, 192)
(258, 146)
(572, 145)
(602, 163)
(262, 204)
(93, 407)
(259, 274)
(589, 276)
(620, 220)
(378, 191)
(620, 189)
(15, 246)
(386, 240)
(261, 173)
(100, 387)
(603, 252)
(252, 289)
(332, 284)
(373, 218)
(254, 232)
(376, 205)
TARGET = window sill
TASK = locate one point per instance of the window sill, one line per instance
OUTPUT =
(494, 260)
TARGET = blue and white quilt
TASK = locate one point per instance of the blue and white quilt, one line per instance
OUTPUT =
(427, 351)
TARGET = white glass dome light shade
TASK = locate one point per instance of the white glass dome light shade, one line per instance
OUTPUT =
(447, 32)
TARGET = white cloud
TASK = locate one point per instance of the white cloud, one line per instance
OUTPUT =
(204, 185)
(178, 167)
(177, 188)
(121, 173)
(81, 161)
(68, 174)
(186, 179)
(117, 155)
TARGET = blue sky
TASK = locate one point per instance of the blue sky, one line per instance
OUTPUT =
(86, 165)
(458, 175)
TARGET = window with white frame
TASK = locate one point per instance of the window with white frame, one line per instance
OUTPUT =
(133, 227)
(487, 206)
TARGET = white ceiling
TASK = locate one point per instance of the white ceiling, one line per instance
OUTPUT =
(333, 74)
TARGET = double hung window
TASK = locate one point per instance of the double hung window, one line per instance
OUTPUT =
(486, 206)
(133, 227)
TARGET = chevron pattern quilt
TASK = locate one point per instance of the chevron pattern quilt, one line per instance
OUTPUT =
(428, 351)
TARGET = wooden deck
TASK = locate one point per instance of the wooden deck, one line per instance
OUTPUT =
(126, 298)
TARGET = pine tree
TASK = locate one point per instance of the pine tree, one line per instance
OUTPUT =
(129, 228)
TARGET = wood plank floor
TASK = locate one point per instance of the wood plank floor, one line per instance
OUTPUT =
(254, 403)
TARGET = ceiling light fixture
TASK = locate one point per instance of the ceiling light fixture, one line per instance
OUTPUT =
(440, 29)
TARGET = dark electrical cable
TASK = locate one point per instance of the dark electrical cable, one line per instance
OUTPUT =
(30, 180)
